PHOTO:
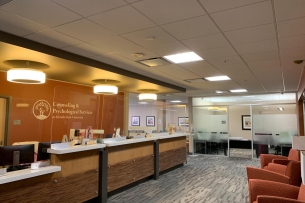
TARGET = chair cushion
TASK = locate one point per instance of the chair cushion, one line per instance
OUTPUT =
(277, 168)
(294, 155)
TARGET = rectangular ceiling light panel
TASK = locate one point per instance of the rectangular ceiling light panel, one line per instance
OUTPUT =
(217, 78)
(238, 90)
(183, 57)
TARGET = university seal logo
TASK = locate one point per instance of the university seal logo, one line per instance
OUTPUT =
(41, 109)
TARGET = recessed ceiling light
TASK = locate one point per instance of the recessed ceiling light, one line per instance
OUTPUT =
(176, 101)
(219, 91)
(183, 57)
(149, 38)
(238, 90)
(139, 55)
(217, 78)
(281, 109)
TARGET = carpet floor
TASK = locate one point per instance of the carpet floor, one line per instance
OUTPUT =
(208, 179)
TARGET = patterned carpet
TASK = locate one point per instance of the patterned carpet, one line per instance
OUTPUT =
(208, 179)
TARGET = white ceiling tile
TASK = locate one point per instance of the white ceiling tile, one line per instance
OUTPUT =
(226, 61)
(122, 20)
(18, 26)
(254, 47)
(201, 68)
(85, 50)
(139, 37)
(185, 29)
(176, 71)
(243, 17)
(168, 11)
(114, 44)
(264, 64)
(217, 52)
(43, 12)
(111, 59)
(232, 67)
(219, 5)
(128, 54)
(169, 48)
(84, 30)
(206, 42)
(297, 53)
(53, 38)
(289, 63)
(252, 34)
(291, 42)
(291, 27)
(261, 56)
(285, 10)
(86, 8)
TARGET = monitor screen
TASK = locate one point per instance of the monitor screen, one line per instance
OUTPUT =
(15, 155)
(42, 150)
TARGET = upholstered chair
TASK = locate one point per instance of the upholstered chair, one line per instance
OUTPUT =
(265, 159)
(263, 191)
(289, 174)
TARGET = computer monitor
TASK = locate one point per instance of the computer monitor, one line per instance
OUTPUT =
(15, 155)
(42, 150)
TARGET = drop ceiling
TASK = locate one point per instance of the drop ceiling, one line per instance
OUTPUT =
(254, 42)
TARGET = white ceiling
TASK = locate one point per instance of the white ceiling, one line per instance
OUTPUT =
(254, 42)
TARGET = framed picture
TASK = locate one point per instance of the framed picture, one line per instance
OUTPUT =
(150, 121)
(183, 121)
(135, 120)
(246, 122)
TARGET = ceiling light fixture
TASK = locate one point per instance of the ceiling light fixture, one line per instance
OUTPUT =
(217, 78)
(149, 38)
(183, 57)
(26, 76)
(176, 101)
(105, 86)
(238, 90)
(105, 89)
(147, 96)
(219, 91)
(281, 109)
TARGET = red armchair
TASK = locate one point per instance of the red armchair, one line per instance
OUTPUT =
(263, 191)
(265, 159)
(290, 174)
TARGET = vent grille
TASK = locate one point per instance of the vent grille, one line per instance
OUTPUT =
(153, 62)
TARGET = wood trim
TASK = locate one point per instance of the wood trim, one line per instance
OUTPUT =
(171, 158)
(127, 172)
(172, 143)
(74, 163)
(75, 188)
(122, 153)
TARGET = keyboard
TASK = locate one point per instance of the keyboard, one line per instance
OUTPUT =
(19, 167)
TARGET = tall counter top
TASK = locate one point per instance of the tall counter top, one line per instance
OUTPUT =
(128, 141)
(27, 173)
(77, 148)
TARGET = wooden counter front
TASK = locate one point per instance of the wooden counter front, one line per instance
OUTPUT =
(129, 163)
(172, 152)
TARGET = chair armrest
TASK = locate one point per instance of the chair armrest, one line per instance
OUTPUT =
(277, 168)
(272, 199)
(264, 187)
(281, 161)
(267, 158)
(258, 173)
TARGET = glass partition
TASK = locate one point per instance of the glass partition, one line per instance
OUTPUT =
(273, 128)
(211, 129)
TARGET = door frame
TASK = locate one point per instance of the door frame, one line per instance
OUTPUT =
(7, 117)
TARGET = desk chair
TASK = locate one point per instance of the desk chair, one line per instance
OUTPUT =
(262, 191)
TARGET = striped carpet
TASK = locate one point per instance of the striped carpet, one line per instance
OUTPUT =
(208, 179)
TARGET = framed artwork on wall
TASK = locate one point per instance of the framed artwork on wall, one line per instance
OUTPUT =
(183, 121)
(150, 121)
(246, 122)
(135, 120)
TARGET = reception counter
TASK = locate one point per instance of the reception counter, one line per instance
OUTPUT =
(72, 177)
(82, 173)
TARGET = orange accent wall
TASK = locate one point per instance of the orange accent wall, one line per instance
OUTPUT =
(110, 111)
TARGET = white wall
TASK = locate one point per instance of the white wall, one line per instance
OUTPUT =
(235, 122)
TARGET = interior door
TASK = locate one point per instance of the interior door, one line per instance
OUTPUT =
(2, 120)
